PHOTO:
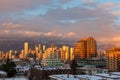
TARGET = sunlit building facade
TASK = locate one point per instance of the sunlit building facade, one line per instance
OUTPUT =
(44, 47)
(51, 57)
(65, 53)
(91, 47)
(113, 59)
(85, 48)
(71, 54)
(26, 49)
(10, 54)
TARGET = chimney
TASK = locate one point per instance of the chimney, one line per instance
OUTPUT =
(68, 74)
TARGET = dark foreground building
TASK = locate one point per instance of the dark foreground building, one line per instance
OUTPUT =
(44, 74)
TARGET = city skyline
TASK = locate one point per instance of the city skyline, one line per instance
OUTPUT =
(60, 18)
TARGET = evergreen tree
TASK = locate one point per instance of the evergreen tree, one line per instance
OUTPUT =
(73, 66)
(9, 67)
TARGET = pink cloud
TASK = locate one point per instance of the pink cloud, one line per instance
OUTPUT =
(115, 13)
(11, 25)
(109, 5)
(70, 34)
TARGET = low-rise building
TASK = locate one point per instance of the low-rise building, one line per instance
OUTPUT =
(88, 69)
(95, 62)
(109, 76)
(21, 78)
(3, 74)
(51, 62)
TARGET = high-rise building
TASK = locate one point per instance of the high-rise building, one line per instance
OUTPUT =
(44, 47)
(26, 49)
(71, 54)
(91, 47)
(113, 59)
(85, 48)
(21, 55)
(65, 55)
(37, 51)
(39, 45)
(10, 54)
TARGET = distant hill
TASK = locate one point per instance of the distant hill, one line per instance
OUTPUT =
(17, 44)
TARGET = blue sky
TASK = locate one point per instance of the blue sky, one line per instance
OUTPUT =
(60, 18)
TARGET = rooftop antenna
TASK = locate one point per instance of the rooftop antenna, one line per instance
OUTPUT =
(91, 34)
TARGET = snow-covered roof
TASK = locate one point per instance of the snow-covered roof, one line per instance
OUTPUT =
(115, 73)
(85, 77)
(90, 77)
(16, 60)
(63, 77)
(37, 66)
(108, 76)
(14, 78)
(23, 68)
(3, 72)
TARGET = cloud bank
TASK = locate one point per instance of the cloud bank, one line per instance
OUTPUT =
(60, 18)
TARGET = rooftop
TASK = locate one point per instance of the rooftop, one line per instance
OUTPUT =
(88, 38)
(111, 76)
(21, 78)
(115, 73)
(3, 72)
(90, 77)
(63, 77)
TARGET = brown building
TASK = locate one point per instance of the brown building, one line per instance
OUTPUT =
(113, 59)
(85, 48)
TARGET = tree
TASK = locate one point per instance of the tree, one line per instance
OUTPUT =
(73, 66)
(9, 67)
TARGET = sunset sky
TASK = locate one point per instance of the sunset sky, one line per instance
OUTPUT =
(60, 18)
